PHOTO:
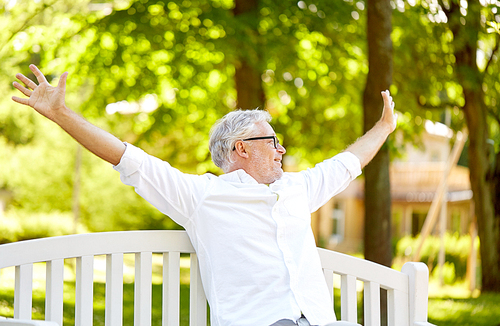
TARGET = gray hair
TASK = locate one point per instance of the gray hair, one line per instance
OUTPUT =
(234, 126)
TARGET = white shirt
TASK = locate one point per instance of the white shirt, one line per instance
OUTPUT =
(256, 250)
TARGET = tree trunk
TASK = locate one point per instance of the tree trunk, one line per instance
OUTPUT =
(465, 48)
(247, 75)
(495, 191)
(377, 184)
(76, 188)
(377, 235)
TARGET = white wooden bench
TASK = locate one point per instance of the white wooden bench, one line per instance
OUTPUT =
(406, 290)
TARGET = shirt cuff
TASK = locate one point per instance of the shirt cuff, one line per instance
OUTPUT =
(131, 160)
(351, 162)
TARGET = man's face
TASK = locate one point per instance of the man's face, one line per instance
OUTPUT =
(264, 160)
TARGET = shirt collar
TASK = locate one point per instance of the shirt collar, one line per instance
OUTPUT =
(239, 176)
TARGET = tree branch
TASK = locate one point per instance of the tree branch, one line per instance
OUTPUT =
(24, 24)
(447, 11)
(495, 50)
(438, 107)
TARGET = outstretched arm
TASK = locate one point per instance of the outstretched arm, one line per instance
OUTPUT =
(369, 144)
(50, 102)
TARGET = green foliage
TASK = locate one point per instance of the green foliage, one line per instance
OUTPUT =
(457, 250)
(314, 92)
(41, 177)
(425, 70)
(23, 226)
(17, 126)
(185, 53)
(448, 273)
(181, 57)
(171, 51)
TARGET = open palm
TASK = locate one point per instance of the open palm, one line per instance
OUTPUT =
(44, 98)
(388, 115)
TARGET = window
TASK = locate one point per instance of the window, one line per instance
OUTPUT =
(338, 222)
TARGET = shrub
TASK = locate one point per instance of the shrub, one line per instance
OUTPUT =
(449, 275)
(19, 225)
(457, 249)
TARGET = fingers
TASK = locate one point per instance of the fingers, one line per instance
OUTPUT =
(28, 82)
(386, 95)
(20, 100)
(38, 74)
(62, 81)
(22, 89)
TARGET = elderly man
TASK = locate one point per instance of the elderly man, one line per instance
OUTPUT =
(250, 227)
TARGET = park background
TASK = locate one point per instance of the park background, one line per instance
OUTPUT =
(158, 74)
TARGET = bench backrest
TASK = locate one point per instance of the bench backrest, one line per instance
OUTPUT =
(406, 290)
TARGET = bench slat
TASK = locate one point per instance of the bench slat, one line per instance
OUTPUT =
(84, 297)
(397, 306)
(143, 288)
(114, 290)
(54, 291)
(372, 303)
(348, 300)
(197, 299)
(363, 269)
(23, 293)
(171, 289)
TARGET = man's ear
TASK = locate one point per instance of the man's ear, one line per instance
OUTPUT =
(240, 149)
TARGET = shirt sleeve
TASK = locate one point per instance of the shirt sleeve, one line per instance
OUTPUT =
(171, 191)
(330, 177)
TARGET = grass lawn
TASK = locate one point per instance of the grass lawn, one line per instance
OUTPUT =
(7, 303)
(456, 305)
(443, 311)
(481, 311)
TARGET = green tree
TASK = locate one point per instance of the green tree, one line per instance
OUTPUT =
(465, 47)
(41, 178)
(315, 62)
(23, 41)
(182, 57)
(448, 74)
(187, 55)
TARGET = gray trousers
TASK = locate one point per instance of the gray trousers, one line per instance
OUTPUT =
(304, 322)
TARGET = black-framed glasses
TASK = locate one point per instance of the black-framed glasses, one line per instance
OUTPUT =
(274, 138)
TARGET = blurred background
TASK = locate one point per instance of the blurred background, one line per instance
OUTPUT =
(158, 74)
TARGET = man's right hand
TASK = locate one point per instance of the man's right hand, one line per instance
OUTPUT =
(44, 98)
(49, 102)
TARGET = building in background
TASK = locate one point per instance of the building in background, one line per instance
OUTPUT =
(339, 225)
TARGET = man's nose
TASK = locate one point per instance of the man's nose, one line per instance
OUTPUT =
(281, 149)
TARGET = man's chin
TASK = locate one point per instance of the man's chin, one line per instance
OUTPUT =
(277, 175)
